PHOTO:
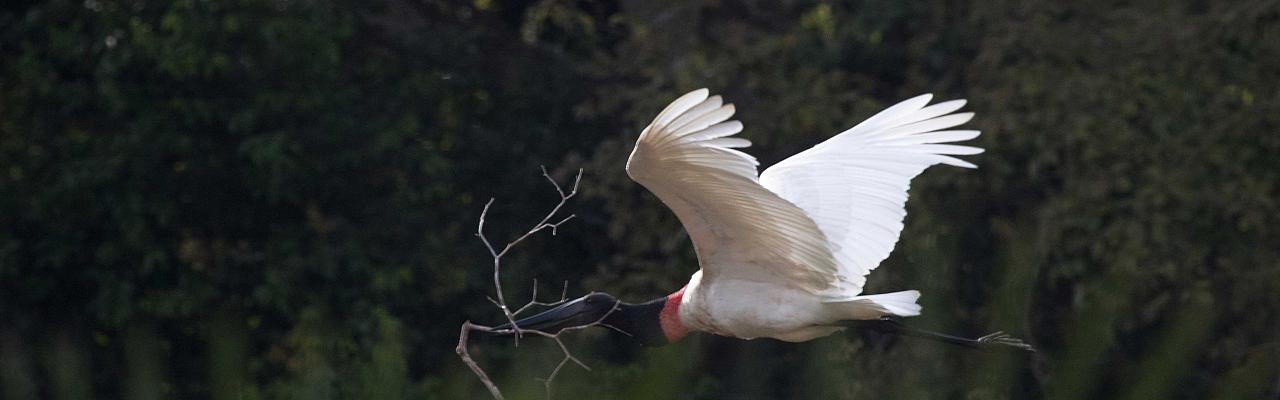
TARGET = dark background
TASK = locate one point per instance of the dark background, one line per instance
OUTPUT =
(277, 200)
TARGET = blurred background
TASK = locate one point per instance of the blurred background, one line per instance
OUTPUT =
(277, 199)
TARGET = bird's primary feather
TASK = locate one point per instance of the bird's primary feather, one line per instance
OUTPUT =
(854, 185)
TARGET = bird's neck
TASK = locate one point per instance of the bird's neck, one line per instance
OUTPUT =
(653, 323)
(669, 317)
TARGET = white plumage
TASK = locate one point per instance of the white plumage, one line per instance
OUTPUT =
(785, 254)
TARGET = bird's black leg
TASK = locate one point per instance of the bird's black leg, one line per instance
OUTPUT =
(891, 326)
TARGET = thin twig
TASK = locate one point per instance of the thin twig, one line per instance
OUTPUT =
(568, 355)
(534, 298)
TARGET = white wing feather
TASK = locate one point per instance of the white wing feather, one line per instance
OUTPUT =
(739, 228)
(854, 185)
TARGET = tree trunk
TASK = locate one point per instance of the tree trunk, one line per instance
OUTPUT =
(66, 361)
(16, 376)
(228, 336)
(145, 362)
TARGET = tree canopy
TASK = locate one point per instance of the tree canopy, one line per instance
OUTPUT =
(277, 199)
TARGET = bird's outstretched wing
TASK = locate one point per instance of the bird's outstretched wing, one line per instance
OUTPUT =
(739, 229)
(854, 185)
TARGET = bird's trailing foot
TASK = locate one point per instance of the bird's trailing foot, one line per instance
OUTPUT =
(992, 342)
(998, 339)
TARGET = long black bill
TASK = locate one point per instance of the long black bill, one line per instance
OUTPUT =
(583, 311)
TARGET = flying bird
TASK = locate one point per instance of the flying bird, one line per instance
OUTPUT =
(783, 254)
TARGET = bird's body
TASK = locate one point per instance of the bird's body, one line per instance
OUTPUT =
(775, 311)
(783, 254)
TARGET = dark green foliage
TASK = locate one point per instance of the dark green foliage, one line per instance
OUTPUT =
(276, 199)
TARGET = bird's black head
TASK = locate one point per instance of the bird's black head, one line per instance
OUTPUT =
(638, 321)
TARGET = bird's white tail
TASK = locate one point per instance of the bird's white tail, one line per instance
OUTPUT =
(902, 304)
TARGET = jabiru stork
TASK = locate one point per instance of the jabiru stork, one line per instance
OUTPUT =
(783, 254)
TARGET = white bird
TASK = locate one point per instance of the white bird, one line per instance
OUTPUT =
(783, 254)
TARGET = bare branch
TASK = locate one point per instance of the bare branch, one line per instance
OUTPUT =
(534, 299)
(542, 224)
(501, 302)
(467, 327)
(568, 355)
(616, 329)
(557, 337)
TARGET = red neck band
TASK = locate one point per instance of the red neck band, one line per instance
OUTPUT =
(669, 317)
